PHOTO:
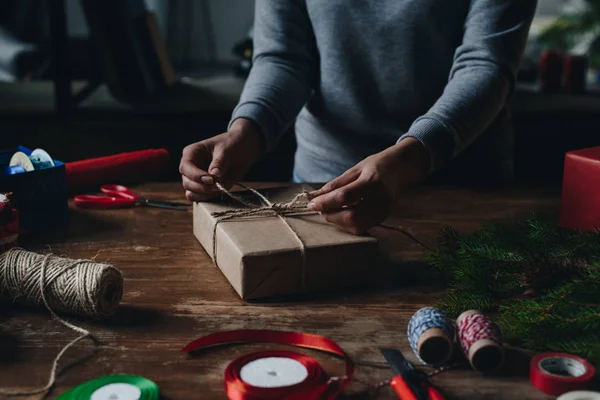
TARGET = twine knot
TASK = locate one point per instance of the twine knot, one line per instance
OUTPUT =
(297, 206)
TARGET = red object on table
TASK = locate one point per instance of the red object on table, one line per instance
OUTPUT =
(316, 386)
(137, 165)
(402, 389)
(580, 199)
(575, 74)
(9, 226)
(551, 71)
(119, 196)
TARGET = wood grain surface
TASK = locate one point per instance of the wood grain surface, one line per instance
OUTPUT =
(174, 294)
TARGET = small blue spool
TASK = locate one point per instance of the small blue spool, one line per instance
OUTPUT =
(14, 170)
(437, 347)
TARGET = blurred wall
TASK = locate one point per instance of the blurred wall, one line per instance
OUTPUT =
(230, 19)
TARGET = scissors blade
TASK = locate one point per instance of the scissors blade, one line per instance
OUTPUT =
(171, 205)
(401, 366)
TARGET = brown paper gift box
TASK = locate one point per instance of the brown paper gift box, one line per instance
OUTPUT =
(261, 258)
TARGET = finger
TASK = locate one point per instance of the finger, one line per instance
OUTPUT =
(345, 196)
(188, 169)
(194, 160)
(195, 197)
(220, 163)
(342, 180)
(357, 220)
(198, 188)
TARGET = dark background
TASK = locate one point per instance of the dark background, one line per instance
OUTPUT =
(200, 37)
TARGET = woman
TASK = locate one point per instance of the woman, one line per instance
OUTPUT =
(383, 93)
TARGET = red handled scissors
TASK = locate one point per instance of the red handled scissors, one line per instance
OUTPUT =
(409, 383)
(120, 197)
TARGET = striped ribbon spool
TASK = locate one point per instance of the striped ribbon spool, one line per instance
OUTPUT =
(481, 341)
(431, 336)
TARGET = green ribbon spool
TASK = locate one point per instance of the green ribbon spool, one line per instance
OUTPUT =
(114, 387)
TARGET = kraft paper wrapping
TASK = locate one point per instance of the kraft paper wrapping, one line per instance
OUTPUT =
(261, 258)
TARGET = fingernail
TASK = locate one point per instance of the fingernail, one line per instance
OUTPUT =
(312, 206)
(207, 180)
(215, 172)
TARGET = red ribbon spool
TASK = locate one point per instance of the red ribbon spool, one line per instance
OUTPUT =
(558, 373)
(316, 386)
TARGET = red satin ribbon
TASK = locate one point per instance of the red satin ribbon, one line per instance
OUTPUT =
(317, 386)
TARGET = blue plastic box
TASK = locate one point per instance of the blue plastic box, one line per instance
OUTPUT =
(40, 196)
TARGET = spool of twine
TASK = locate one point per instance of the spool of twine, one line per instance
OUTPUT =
(431, 336)
(481, 341)
(61, 285)
(76, 287)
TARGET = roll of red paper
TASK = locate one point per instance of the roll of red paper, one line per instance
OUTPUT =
(124, 167)
(580, 197)
(558, 373)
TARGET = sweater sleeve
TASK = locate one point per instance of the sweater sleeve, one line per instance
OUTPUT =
(283, 73)
(482, 77)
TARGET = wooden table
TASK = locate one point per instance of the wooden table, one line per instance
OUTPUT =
(174, 294)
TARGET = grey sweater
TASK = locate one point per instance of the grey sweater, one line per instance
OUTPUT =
(357, 76)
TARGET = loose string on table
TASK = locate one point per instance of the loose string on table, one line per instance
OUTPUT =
(296, 207)
(80, 287)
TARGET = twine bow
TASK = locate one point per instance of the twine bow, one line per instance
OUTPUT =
(298, 206)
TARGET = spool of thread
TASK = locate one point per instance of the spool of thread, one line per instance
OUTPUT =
(431, 336)
(77, 287)
(559, 373)
(119, 168)
(114, 387)
(481, 341)
(20, 159)
(41, 159)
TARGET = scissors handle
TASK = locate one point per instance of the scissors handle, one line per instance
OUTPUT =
(102, 202)
(434, 394)
(119, 191)
(402, 388)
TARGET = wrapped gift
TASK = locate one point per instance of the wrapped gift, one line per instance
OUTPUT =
(269, 247)
(580, 199)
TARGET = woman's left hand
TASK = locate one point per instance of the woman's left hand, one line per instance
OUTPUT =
(364, 195)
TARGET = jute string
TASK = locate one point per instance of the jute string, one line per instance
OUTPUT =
(297, 206)
(79, 287)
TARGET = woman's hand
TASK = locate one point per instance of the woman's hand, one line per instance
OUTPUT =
(225, 158)
(364, 195)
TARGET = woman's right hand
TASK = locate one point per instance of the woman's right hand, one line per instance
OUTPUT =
(225, 158)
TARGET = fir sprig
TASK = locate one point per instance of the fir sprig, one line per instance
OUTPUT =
(541, 282)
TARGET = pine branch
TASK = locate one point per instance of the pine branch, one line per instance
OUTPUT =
(541, 280)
